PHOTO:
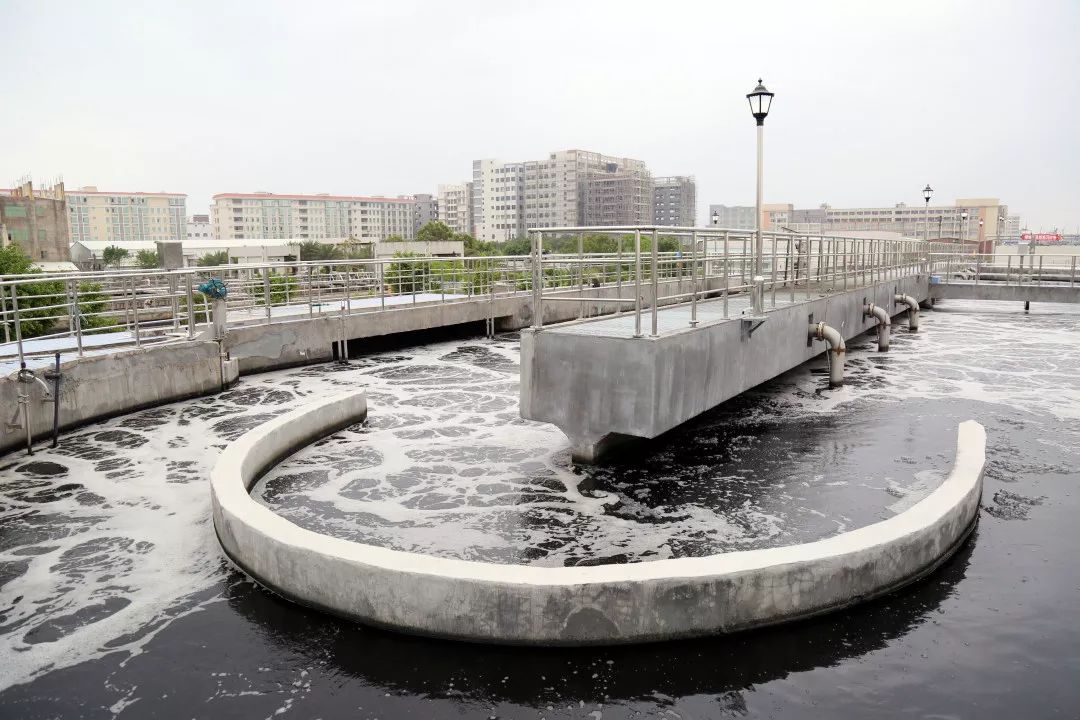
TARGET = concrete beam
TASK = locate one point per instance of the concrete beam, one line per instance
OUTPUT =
(592, 385)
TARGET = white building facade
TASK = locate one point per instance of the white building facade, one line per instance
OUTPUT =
(456, 207)
(311, 217)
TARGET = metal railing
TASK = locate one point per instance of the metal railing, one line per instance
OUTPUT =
(953, 266)
(78, 311)
(713, 263)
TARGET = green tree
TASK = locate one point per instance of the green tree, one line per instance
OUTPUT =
(312, 250)
(434, 231)
(146, 259)
(35, 317)
(396, 238)
(220, 257)
(114, 255)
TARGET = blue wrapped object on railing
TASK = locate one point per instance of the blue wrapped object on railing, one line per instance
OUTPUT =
(214, 288)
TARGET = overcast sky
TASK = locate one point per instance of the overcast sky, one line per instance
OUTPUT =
(873, 99)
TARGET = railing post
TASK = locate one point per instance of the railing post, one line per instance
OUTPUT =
(655, 281)
(135, 318)
(78, 317)
(18, 322)
(1039, 281)
(806, 271)
(727, 272)
(581, 274)
(978, 268)
(266, 293)
(310, 295)
(618, 279)
(3, 315)
(772, 245)
(693, 279)
(637, 283)
(190, 307)
(1072, 272)
(538, 279)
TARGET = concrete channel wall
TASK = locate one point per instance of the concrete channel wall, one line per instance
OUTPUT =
(604, 604)
(600, 389)
(1006, 292)
(100, 386)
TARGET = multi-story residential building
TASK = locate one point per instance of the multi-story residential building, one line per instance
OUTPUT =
(35, 219)
(937, 221)
(425, 210)
(455, 207)
(733, 217)
(121, 217)
(569, 187)
(311, 217)
(675, 201)
(198, 227)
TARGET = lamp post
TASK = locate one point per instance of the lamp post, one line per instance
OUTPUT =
(963, 225)
(715, 218)
(760, 102)
(980, 236)
(926, 193)
(1001, 228)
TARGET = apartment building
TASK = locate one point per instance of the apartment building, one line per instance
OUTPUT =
(35, 219)
(120, 217)
(675, 201)
(199, 227)
(569, 187)
(425, 210)
(455, 207)
(311, 217)
(937, 221)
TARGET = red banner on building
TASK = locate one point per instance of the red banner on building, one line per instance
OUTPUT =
(1041, 237)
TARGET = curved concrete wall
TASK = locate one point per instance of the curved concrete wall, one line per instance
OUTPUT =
(573, 605)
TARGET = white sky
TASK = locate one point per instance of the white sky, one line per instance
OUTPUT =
(873, 99)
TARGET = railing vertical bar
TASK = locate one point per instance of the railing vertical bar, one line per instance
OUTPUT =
(637, 283)
(727, 273)
(693, 279)
(655, 280)
(190, 307)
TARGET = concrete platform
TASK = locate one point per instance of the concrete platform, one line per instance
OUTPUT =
(601, 386)
(581, 605)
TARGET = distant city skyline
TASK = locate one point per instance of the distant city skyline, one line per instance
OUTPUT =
(969, 97)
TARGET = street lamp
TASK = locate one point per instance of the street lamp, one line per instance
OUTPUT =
(926, 193)
(760, 102)
(715, 217)
(1001, 228)
(963, 225)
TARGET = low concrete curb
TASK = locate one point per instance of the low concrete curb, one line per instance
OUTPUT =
(604, 604)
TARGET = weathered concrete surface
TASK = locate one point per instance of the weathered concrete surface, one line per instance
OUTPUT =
(592, 383)
(1001, 291)
(101, 386)
(604, 604)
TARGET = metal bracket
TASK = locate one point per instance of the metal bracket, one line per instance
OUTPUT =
(750, 323)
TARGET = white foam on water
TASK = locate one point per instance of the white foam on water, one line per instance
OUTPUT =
(132, 546)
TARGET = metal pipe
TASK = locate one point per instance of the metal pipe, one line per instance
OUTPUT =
(872, 310)
(821, 331)
(55, 376)
(912, 312)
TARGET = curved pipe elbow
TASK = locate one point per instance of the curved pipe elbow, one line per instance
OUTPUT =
(821, 331)
(884, 321)
(913, 310)
(872, 310)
